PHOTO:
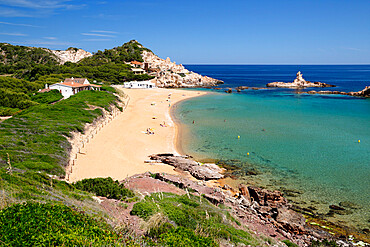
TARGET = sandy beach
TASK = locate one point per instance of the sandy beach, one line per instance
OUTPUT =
(121, 147)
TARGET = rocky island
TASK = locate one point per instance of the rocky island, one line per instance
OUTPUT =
(298, 82)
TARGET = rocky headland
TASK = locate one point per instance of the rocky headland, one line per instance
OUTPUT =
(264, 212)
(170, 74)
(299, 82)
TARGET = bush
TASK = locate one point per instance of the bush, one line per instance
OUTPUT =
(7, 111)
(144, 209)
(185, 237)
(289, 244)
(104, 187)
(47, 97)
(11, 99)
(188, 213)
(35, 224)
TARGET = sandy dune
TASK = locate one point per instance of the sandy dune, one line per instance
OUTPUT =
(120, 148)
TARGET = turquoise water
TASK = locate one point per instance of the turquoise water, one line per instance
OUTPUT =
(307, 143)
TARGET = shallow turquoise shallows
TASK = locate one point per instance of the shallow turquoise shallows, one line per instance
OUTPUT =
(317, 146)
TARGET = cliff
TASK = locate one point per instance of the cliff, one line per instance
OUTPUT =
(170, 74)
(73, 55)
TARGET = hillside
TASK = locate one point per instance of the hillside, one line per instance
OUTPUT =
(110, 65)
(14, 58)
(36, 200)
(128, 52)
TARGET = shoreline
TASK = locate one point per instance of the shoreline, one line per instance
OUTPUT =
(137, 166)
(120, 148)
(313, 217)
(179, 129)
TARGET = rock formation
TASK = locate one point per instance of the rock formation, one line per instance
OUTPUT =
(298, 82)
(363, 93)
(70, 55)
(170, 74)
(197, 170)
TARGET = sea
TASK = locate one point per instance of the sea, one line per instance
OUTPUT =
(314, 148)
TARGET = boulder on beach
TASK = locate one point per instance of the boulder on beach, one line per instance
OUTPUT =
(197, 170)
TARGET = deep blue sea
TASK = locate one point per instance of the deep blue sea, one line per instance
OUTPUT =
(317, 146)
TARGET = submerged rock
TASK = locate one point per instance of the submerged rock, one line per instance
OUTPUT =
(363, 93)
(351, 205)
(335, 207)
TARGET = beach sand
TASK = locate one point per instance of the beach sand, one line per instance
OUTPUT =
(121, 147)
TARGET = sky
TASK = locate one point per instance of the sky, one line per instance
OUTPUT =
(199, 31)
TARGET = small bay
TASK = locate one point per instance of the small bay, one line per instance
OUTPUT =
(297, 142)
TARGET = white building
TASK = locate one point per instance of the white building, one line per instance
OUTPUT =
(71, 86)
(138, 71)
(139, 84)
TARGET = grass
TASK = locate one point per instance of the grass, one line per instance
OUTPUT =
(183, 212)
(36, 224)
(36, 138)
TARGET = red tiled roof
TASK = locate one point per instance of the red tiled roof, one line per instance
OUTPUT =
(73, 84)
(76, 80)
(136, 62)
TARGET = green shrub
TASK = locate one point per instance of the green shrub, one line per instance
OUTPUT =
(182, 211)
(144, 209)
(7, 111)
(185, 237)
(104, 187)
(162, 228)
(47, 97)
(108, 89)
(289, 244)
(12, 99)
(35, 224)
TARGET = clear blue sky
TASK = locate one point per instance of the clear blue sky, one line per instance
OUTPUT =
(199, 31)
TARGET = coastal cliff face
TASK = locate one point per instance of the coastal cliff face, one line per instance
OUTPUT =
(70, 55)
(298, 82)
(170, 74)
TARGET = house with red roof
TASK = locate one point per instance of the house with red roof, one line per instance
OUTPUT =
(137, 64)
(71, 86)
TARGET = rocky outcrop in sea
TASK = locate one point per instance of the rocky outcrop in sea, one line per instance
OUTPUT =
(298, 82)
(363, 93)
(170, 74)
